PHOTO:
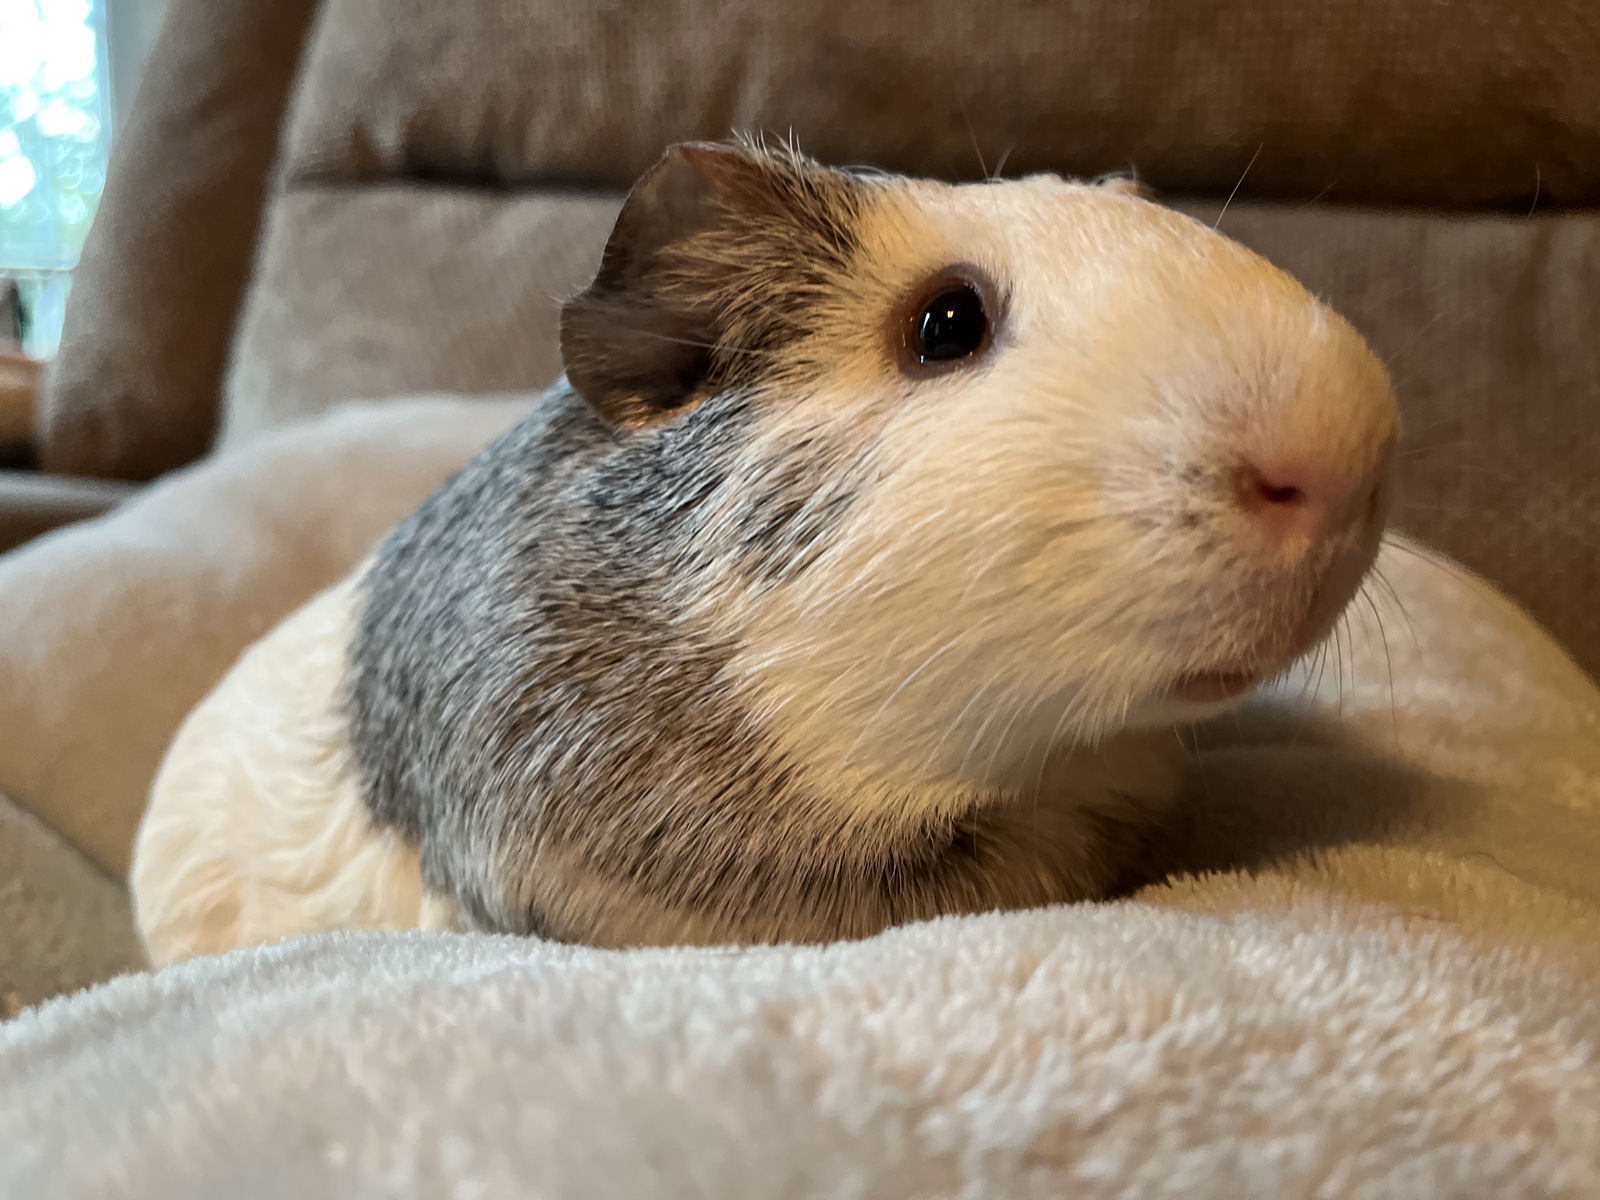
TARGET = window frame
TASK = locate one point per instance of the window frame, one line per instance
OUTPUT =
(124, 34)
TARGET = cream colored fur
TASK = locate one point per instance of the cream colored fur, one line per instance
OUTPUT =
(1056, 523)
(256, 830)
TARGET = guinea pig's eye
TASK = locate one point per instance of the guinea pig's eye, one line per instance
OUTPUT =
(953, 324)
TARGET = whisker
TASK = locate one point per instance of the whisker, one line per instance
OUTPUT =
(1000, 739)
(1000, 166)
(1460, 469)
(1218, 222)
(1382, 581)
(1326, 188)
(1413, 432)
(954, 725)
(1198, 758)
(1416, 336)
(1383, 636)
(1425, 556)
(1310, 683)
(1419, 506)
(1340, 629)
(1055, 740)
(976, 149)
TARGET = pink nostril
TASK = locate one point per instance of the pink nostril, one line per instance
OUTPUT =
(1257, 488)
(1295, 502)
(1275, 493)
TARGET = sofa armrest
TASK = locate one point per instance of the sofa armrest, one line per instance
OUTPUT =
(114, 629)
(31, 504)
(19, 388)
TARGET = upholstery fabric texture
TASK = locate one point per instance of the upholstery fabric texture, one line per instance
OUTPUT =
(373, 292)
(1468, 103)
(19, 386)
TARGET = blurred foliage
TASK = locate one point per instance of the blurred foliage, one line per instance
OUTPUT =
(54, 106)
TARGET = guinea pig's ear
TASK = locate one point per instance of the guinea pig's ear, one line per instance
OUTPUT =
(1126, 185)
(648, 335)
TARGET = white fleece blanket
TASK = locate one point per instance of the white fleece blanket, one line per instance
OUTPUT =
(1374, 974)
(1102, 1051)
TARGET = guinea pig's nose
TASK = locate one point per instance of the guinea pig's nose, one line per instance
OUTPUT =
(1299, 503)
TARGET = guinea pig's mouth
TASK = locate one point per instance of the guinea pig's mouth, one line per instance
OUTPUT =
(1218, 682)
(1209, 687)
(1215, 684)
(1298, 615)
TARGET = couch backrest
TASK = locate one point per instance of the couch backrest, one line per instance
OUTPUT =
(1467, 103)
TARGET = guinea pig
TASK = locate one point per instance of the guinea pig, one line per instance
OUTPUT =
(858, 571)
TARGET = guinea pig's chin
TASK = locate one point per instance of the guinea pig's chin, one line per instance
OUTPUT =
(1203, 691)
(1198, 695)
(1167, 709)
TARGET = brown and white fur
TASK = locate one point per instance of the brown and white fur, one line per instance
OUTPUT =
(758, 628)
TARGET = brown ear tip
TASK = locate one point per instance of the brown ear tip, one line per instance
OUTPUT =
(689, 168)
(739, 176)
(1126, 184)
(717, 160)
(701, 154)
(703, 147)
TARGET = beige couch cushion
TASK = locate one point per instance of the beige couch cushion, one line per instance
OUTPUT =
(151, 314)
(374, 292)
(1468, 102)
(127, 621)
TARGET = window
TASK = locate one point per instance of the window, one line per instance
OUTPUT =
(55, 129)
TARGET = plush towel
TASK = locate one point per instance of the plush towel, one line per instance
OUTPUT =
(64, 923)
(1097, 1051)
(1371, 972)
